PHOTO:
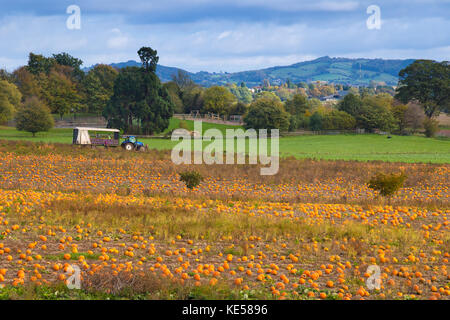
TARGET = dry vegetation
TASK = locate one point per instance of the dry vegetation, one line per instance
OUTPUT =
(136, 231)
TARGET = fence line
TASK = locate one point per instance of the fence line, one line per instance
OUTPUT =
(213, 118)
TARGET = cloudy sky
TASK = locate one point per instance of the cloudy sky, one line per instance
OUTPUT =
(225, 35)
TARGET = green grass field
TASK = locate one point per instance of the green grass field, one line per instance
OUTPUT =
(332, 147)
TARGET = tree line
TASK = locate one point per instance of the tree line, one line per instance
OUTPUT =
(134, 99)
(422, 93)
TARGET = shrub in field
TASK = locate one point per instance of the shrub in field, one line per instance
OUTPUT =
(431, 127)
(191, 178)
(34, 116)
(387, 184)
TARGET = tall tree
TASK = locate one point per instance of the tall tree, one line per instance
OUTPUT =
(139, 104)
(427, 82)
(148, 58)
(98, 86)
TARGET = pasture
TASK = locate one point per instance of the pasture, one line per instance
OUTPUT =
(364, 147)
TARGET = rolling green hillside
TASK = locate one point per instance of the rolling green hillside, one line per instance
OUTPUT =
(337, 70)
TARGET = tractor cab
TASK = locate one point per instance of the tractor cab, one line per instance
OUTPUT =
(131, 143)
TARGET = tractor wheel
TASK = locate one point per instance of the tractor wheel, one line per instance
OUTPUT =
(128, 146)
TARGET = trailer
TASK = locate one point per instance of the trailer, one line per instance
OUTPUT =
(96, 136)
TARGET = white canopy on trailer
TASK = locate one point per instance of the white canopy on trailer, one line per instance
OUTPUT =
(81, 134)
(97, 129)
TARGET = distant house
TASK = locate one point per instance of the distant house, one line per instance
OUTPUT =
(342, 93)
(329, 98)
(334, 97)
(256, 89)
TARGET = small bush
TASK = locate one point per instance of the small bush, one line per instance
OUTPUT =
(431, 127)
(34, 116)
(387, 184)
(191, 178)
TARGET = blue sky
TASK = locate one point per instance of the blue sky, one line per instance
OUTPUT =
(228, 35)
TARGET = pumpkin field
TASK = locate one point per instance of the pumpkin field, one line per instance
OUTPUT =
(135, 231)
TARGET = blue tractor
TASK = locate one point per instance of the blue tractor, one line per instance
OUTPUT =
(131, 143)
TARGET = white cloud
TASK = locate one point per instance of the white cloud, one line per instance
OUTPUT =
(223, 35)
(118, 41)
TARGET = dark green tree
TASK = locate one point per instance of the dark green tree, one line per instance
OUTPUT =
(37, 63)
(352, 104)
(427, 82)
(149, 58)
(266, 113)
(140, 104)
(315, 121)
(65, 59)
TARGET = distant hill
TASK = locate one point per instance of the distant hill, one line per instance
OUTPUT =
(336, 70)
